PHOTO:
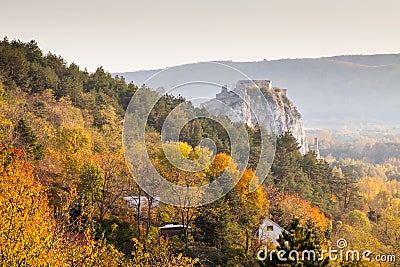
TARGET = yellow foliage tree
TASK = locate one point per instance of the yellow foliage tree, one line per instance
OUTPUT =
(26, 227)
(28, 232)
(220, 164)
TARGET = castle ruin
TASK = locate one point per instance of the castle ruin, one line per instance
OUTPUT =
(240, 104)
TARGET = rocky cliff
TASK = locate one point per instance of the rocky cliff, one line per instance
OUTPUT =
(242, 103)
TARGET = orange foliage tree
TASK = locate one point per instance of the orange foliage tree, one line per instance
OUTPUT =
(285, 206)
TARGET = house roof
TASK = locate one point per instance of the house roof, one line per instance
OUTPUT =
(267, 222)
(172, 226)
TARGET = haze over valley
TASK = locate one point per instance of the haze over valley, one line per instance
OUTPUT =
(329, 92)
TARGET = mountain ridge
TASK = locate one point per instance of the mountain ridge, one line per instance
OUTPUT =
(329, 91)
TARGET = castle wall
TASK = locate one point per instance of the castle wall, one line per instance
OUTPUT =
(241, 84)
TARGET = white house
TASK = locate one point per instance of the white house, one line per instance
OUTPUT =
(269, 231)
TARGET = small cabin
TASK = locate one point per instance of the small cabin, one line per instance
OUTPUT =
(170, 230)
(270, 231)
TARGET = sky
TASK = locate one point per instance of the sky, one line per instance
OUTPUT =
(129, 35)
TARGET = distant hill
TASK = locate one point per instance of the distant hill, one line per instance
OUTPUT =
(370, 60)
(329, 92)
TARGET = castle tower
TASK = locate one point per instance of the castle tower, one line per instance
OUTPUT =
(315, 147)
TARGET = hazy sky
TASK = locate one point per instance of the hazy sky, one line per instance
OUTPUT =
(125, 35)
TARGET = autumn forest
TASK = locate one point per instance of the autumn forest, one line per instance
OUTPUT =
(64, 182)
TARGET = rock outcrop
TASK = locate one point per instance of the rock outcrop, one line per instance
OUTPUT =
(242, 103)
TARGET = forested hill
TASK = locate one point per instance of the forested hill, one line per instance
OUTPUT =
(329, 92)
(23, 66)
(370, 60)
(67, 197)
(63, 176)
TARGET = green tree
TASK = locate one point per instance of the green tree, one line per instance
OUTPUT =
(302, 241)
(27, 140)
(287, 172)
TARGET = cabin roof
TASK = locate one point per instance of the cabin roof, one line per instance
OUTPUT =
(172, 226)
